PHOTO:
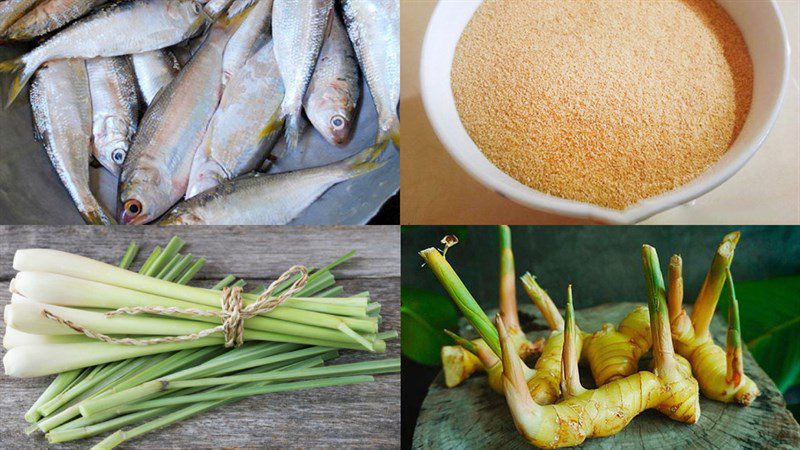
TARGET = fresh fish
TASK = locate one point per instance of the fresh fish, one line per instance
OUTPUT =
(122, 29)
(48, 16)
(62, 113)
(262, 199)
(11, 10)
(186, 49)
(115, 109)
(332, 94)
(254, 27)
(374, 29)
(154, 70)
(156, 171)
(245, 126)
(298, 27)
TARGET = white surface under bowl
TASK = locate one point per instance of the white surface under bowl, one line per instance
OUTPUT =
(764, 32)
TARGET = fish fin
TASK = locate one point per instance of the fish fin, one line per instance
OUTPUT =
(293, 130)
(366, 160)
(21, 76)
(274, 124)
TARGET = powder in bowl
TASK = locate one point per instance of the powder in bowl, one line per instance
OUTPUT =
(602, 101)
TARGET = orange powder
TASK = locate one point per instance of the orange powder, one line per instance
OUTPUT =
(602, 101)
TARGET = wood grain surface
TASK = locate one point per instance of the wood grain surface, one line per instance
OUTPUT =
(473, 416)
(364, 415)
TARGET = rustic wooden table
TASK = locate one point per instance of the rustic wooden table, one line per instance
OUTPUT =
(364, 415)
(472, 416)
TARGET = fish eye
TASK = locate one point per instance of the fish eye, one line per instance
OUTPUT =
(118, 155)
(133, 207)
(198, 8)
(337, 122)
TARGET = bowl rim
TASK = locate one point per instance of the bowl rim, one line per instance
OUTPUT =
(532, 198)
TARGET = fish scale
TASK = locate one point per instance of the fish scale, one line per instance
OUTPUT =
(48, 16)
(154, 70)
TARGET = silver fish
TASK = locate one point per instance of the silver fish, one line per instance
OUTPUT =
(298, 27)
(48, 16)
(154, 70)
(186, 49)
(115, 109)
(214, 8)
(332, 94)
(270, 199)
(254, 27)
(122, 29)
(156, 171)
(11, 10)
(245, 126)
(62, 113)
(238, 6)
(374, 29)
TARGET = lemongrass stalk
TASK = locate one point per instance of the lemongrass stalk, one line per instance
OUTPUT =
(193, 410)
(239, 283)
(60, 383)
(191, 271)
(461, 297)
(221, 365)
(15, 338)
(167, 267)
(40, 360)
(373, 309)
(332, 292)
(224, 282)
(173, 247)
(129, 256)
(122, 436)
(63, 290)
(86, 428)
(27, 316)
(150, 259)
(178, 268)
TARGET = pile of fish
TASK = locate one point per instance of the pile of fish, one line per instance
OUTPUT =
(184, 100)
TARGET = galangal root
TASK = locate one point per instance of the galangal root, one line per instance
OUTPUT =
(719, 372)
(604, 411)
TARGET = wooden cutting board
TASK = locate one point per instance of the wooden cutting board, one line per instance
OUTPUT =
(473, 416)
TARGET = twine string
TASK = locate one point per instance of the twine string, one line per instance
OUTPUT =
(232, 315)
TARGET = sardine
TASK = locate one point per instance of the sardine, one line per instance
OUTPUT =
(241, 45)
(298, 27)
(238, 6)
(11, 10)
(262, 199)
(374, 29)
(154, 70)
(48, 16)
(214, 8)
(245, 126)
(115, 109)
(156, 171)
(62, 113)
(332, 94)
(121, 29)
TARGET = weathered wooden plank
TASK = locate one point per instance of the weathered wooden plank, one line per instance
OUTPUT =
(248, 252)
(365, 415)
(472, 416)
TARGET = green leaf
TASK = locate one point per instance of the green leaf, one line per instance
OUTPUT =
(424, 317)
(769, 311)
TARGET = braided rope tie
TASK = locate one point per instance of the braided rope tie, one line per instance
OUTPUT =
(232, 315)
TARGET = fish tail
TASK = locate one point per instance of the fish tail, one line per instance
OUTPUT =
(97, 217)
(21, 76)
(366, 160)
(390, 133)
(293, 130)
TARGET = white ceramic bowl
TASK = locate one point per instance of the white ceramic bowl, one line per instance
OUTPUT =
(761, 24)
